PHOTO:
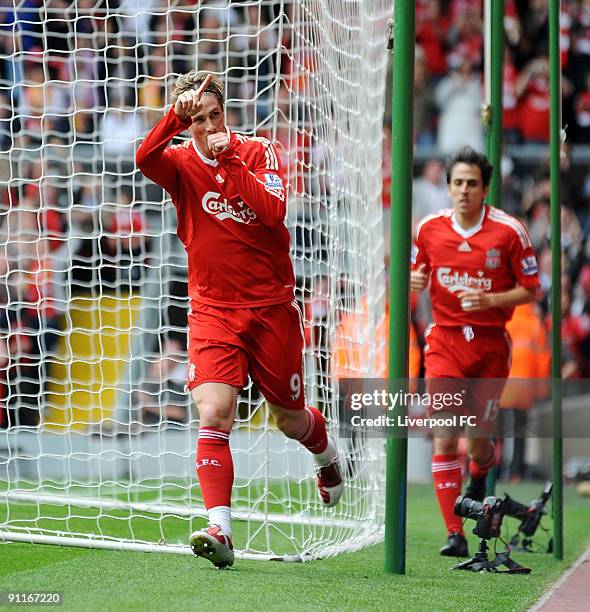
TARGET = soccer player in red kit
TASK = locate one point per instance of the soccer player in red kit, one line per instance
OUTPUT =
(230, 199)
(480, 264)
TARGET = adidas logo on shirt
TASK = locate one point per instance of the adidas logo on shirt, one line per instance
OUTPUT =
(464, 247)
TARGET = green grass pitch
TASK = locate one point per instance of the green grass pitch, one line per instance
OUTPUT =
(110, 580)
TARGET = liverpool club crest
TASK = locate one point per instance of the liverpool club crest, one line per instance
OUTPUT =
(493, 259)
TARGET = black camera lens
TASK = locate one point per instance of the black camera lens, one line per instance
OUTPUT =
(515, 509)
(467, 507)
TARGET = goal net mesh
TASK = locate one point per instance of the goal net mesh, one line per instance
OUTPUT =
(97, 437)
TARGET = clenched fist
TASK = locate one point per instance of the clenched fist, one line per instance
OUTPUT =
(188, 103)
(218, 142)
(475, 300)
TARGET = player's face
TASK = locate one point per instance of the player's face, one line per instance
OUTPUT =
(466, 190)
(209, 120)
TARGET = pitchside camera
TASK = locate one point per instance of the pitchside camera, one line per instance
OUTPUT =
(488, 515)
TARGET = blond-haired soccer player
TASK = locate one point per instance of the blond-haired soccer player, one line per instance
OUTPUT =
(230, 199)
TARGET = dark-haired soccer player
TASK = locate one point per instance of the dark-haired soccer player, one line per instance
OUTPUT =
(480, 264)
(230, 198)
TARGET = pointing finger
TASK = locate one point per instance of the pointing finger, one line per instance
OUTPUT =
(204, 85)
(196, 102)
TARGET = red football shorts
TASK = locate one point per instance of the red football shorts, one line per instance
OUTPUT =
(475, 353)
(227, 344)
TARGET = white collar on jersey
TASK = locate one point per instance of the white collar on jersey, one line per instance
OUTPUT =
(209, 162)
(467, 233)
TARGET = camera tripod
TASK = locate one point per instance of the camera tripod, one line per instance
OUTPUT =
(481, 562)
(526, 544)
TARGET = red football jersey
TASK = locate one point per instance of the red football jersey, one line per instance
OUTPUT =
(495, 255)
(231, 213)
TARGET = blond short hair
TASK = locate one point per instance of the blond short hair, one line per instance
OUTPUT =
(193, 79)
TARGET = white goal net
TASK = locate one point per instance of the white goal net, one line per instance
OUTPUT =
(97, 438)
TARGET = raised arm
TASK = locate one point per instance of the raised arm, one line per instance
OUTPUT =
(153, 158)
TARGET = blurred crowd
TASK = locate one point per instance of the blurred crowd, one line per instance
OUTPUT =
(81, 82)
(78, 71)
(449, 62)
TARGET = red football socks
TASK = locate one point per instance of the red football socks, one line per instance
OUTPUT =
(446, 472)
(215, 467)
(481, 470)
(315, 437)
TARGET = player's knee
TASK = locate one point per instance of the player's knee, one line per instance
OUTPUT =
(291, 423)
(480, 453)
(445, 446)
(212, 414)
